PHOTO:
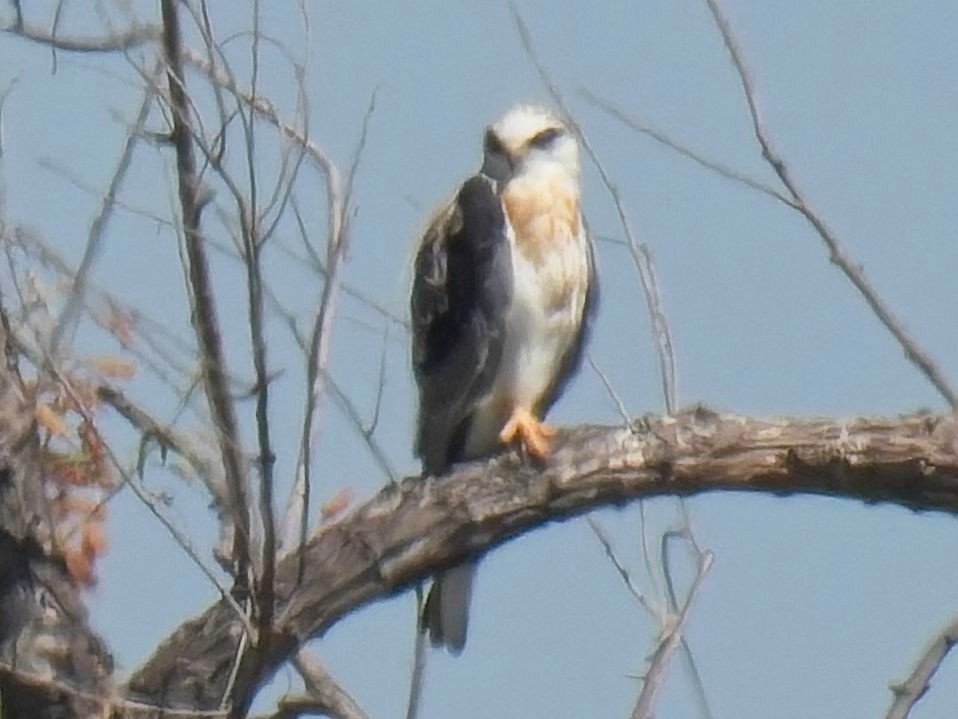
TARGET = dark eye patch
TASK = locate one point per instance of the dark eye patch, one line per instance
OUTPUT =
(546, 137)
(492, 144)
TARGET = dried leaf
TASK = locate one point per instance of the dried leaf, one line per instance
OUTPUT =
(80, 566)
(50, 420)
(336, 504)
(114, 367)
(94, 539)
(121, 325)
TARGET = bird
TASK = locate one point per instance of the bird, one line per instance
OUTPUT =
(503, 294)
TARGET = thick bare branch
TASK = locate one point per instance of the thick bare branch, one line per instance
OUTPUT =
(409, 531)
(204, 316)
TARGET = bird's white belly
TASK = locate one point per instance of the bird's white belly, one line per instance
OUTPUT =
(541, 326)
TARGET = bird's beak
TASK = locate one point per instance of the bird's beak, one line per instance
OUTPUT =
(497, 167)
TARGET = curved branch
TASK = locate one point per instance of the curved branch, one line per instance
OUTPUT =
(410, 530)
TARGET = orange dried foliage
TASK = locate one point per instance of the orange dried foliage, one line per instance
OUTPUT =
(67, 504)
(50, 420)
(93, 540)
(121, 325)
(72, 473)
(336, 504)
(80, 566)
(114, 367)
(81, 534)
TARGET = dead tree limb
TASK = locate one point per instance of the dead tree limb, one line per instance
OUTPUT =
(411, 530)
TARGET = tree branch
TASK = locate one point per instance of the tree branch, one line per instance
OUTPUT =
(837, 253)
(410, 531)
(204, 314)
(909, 692)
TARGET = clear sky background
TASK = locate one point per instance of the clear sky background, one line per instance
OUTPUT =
(813, 606)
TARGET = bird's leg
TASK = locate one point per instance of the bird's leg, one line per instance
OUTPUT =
(523, 427)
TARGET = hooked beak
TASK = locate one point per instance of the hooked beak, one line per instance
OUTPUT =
(497, 166)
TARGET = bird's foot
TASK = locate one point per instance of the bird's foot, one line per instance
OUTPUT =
(534, 436)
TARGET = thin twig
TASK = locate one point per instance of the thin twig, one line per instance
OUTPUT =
(263, 108)
(669, 641)
(370, 429)
(166, 435)
(253, 247)
(909, 692)
(688, 536)
(130, 480)
(320, 338)
(352, 414)
(419, 659)
(623, 572)
(610, 390)
(837, 253)
(120, 41)
(97, 230)
(663, 138)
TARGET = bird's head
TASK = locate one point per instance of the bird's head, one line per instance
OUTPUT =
(529, 139)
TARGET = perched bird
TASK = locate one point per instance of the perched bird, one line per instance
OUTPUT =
(503, 293)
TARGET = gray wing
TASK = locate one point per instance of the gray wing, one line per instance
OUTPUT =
(461, 293)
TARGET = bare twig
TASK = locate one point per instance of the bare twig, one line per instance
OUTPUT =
(119, 41)
(3, 99)
(664, 139)
(263, 108)
(623, 572)
(672, 634)
(352, 414)
(252, 256)
(837, 253)
(370, 429)
(167, 436)
(130, 480)
(610, 390)
(419, 659)
(97, 233)
(688, 537)
(909, 692)
(320, 337)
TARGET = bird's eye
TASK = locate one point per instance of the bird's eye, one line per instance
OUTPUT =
(546, 137)
(492, 144)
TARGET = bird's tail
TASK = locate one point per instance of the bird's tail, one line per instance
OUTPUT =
(446, 614)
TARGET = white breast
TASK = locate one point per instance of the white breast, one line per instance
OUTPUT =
(548, 299)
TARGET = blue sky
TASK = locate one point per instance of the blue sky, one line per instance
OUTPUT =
(813, 606)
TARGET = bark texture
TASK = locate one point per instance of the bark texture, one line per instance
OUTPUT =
(410, 530)
(51, 665)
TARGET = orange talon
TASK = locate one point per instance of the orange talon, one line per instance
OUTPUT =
(525, 428)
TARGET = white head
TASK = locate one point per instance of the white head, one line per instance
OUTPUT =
(529, 139)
